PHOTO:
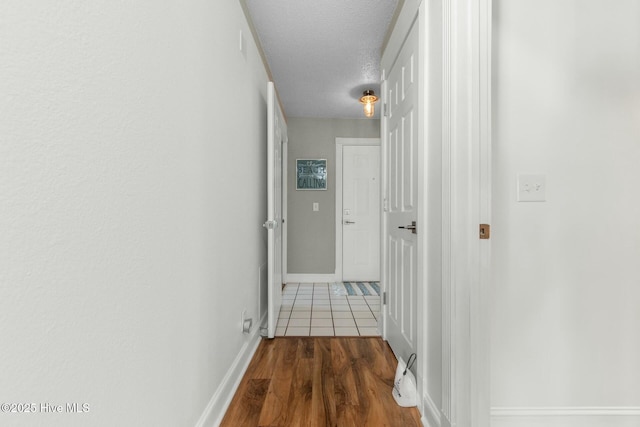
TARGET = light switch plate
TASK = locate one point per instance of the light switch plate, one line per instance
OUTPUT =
(316, 206)
(532, 188)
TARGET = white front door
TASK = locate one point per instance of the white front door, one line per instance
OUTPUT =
(361, 213)
(276, 135)
(401, 145)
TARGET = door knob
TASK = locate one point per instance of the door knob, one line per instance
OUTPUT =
(347, 222)
(413, 227)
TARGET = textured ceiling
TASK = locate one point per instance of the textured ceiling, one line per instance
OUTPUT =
(323, 53)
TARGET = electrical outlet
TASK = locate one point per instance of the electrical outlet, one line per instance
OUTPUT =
(247, 322)
(532, 188)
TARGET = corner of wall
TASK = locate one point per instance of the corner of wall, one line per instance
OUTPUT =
(221, 399)
(430, 413)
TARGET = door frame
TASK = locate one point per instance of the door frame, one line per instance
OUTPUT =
(466, 173)
(459, 47)
(340, 144)
(285, 160)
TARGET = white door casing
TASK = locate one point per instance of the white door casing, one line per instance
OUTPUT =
(361, 213)
(401, 197)
(284, 198)
(466, 174)
(276, 135)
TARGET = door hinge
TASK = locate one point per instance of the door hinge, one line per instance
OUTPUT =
(270, 225)
(385, 110)
(384, 298)
(485, 231)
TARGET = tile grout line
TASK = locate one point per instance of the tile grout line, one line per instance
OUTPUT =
(353, 316)
(333, 323)
(287, 325)
(369, 306)
(333, 320)
(311, 310)
(313, 300)
(295, 298)
(326, 288)
(310, 313)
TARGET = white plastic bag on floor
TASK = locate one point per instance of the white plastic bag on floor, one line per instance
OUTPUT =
(404, 386)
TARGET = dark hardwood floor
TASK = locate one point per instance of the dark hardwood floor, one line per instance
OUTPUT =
(342, 382)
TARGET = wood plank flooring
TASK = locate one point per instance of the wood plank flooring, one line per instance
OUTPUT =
(313, 382)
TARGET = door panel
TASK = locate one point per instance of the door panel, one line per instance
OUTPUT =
(401, 193)
(361, 213)
(409, 158)
(276, 135)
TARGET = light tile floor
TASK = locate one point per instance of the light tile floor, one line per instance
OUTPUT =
(326, 309)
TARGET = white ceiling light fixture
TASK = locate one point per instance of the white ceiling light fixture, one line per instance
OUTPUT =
(368, 99)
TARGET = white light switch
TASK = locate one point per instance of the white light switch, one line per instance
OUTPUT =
(316, 206)
(532, 188)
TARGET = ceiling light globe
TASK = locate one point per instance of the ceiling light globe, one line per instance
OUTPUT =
(368, 99)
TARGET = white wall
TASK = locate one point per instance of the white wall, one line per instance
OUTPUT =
(132, 152)
(565, 316)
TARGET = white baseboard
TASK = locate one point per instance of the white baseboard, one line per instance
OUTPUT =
(431, 414)
(219, 403)
(590, 416)
(311, 278)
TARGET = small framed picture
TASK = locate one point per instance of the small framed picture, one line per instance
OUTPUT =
(311, 174)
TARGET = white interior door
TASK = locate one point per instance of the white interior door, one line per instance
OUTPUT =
(401, 143)
(361, 213)
(276, 135)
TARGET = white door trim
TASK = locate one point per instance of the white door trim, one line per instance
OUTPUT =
(428, 408)
(382, 324)
(466, 108)
(340, 143)
(480, 295)
(285, 218)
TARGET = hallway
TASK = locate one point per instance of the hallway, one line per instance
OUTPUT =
(134, 159)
